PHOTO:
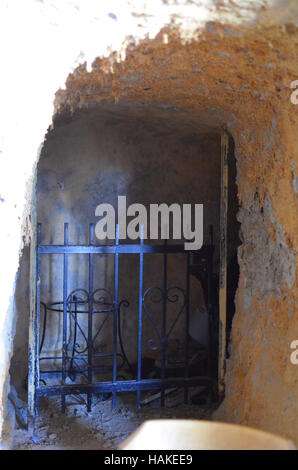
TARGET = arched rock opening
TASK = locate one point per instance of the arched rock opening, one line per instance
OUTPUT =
(239, 78)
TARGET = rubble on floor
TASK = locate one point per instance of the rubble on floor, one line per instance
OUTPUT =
(103, 428)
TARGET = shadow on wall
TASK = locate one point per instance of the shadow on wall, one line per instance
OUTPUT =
(19, 362)
(233, 241)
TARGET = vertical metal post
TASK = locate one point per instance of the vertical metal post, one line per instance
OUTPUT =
(90, 318)
(73, 352)
(164, 324)
(33, 367)
(116, 269)
(140, 316)
(33, 374)
(186, 365)
(223, 262)
(64, 327)
(210, 323)
(38, 286)
(32, 344)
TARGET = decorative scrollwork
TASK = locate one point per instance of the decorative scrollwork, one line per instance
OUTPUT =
(103, 299)
(156, 295)
(79, 304)
(79, 297)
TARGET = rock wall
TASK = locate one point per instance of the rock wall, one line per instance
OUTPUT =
(230, 63)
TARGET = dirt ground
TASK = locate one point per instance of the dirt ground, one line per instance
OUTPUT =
(103, 428)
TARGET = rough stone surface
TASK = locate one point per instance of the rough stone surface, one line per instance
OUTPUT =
(232, 62)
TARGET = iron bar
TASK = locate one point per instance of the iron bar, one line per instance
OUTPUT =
(186, 365)
(115, 332)
(141, 268)
(38, 287)
(90, 317)
(121, 386)
(64, 325)
(164, 323)
(112, 249)
(211, 368)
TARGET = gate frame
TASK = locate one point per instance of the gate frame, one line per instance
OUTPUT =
(224, 138)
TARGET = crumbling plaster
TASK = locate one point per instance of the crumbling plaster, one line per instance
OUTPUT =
(232, 62)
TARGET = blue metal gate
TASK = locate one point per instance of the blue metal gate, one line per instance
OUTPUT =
(101, 302)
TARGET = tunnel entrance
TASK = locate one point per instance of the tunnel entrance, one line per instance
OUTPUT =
(90, 157)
